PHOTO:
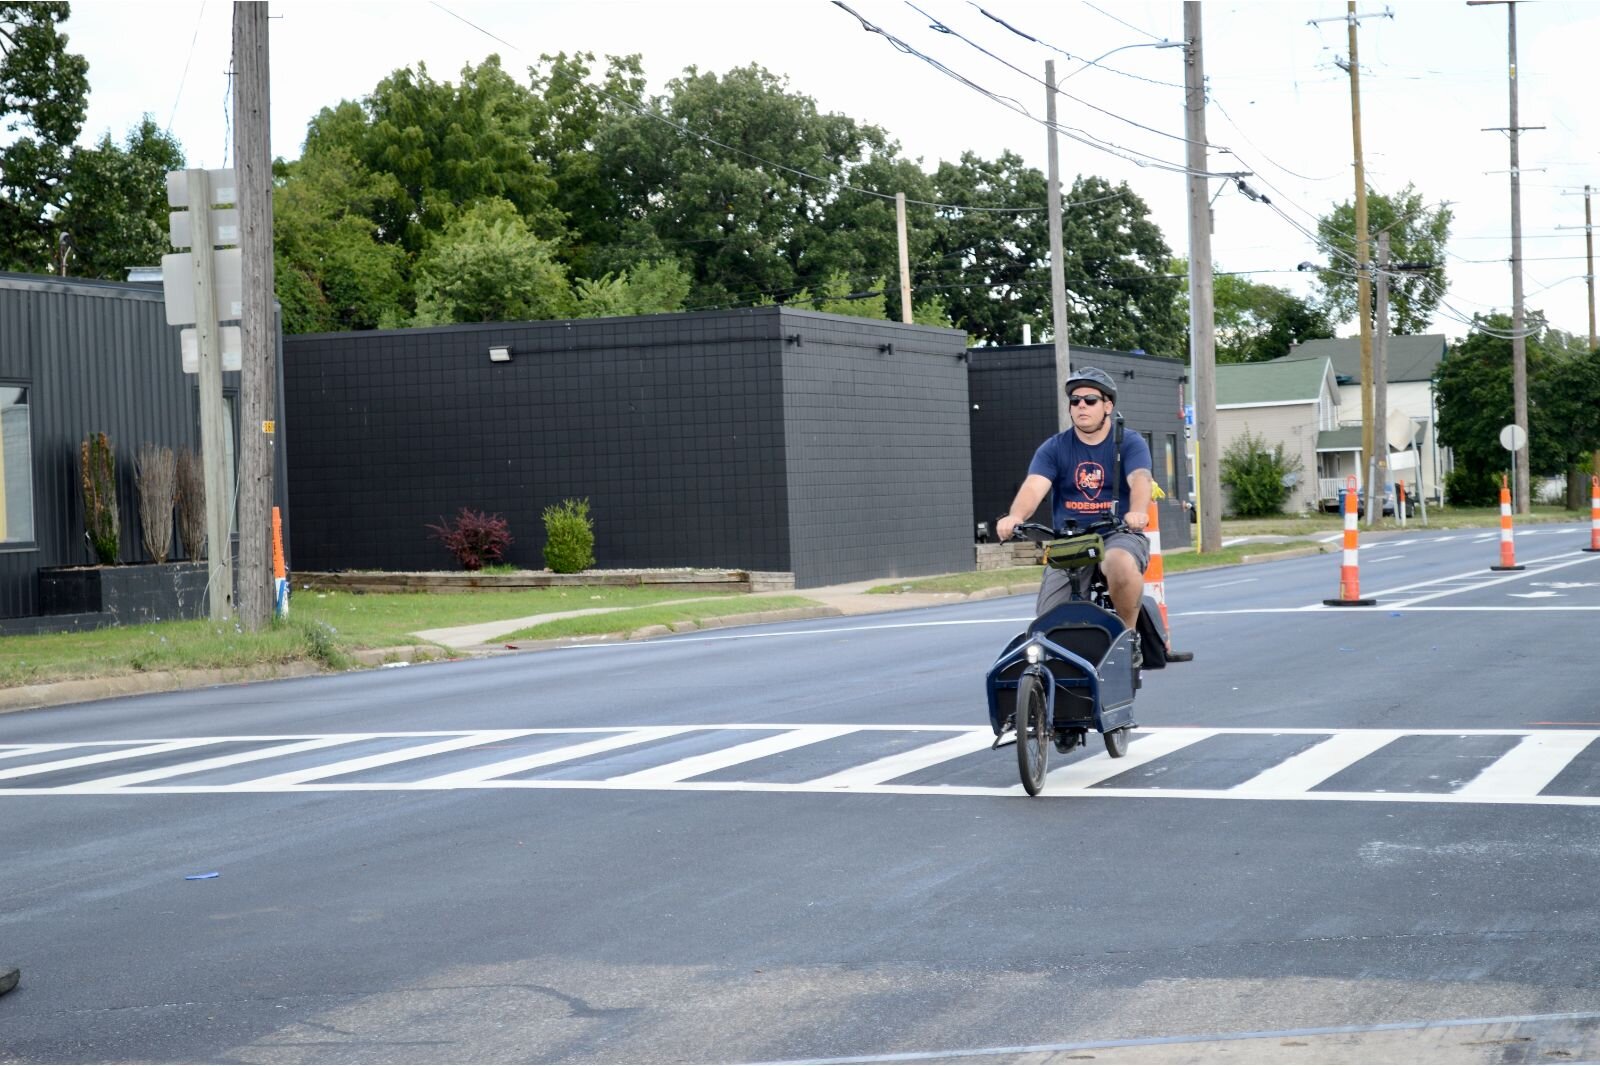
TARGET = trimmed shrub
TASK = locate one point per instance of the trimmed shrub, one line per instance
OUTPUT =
(98, 476)
(568, 537)
(1255, 475)
(156, 475)
(474, 538)
(192, 504)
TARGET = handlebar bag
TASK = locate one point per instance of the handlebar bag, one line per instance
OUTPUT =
(1070, 553)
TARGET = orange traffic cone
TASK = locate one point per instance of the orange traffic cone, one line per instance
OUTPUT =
(1594, 515)
(280, 578)
(1155, 582)
(1349, 572)
(1508, 550)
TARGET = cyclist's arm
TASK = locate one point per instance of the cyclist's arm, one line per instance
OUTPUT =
(1034, 489)
(1139, 482)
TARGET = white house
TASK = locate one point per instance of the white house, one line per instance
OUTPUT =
(1287, 402)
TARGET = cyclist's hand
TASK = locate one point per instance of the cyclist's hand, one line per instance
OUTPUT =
(1136, 520)
(1005, 527)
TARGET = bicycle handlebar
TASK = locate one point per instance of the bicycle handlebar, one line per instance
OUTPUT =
(1039, 533)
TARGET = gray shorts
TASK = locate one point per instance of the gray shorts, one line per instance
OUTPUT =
(1056, 588)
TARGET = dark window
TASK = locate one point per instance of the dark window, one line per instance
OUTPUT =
(16, 466)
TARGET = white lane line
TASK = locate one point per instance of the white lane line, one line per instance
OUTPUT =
(387, 758)
(906, 762)
(1330, 538)
(1441, 540)
(217, 763)
(1309, 768)
(1225, 584)
(106, 756)
(1020, 620)
(1386, 559)
(1534, 571)
(1400, 543)
(684, 769)
(1146, 747)
(479, 775)
(1528, 768)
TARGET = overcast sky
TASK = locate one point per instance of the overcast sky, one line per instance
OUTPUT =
(1432, 77)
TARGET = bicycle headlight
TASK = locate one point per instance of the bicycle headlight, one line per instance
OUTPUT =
(1034, 653)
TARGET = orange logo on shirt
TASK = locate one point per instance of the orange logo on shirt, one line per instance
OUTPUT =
(1090, 479)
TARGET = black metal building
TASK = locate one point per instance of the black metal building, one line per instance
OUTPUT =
(78, 357)
(1014, 410)
(772, 439)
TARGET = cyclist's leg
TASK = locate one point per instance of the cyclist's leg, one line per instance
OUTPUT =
(1055, 588)
(1127, 555)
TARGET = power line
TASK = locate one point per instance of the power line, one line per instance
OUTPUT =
(1087, 63)
(1070, 132)
(1125, 22)
(186, 60)
(941, 27)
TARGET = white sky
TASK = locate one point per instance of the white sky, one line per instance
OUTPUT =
(1432, 77)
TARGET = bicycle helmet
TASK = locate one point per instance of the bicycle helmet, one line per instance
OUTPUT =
(1093, 376)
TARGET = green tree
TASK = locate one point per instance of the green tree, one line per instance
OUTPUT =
(1257, 322)
(648, 289)
(114, 202)
(744, 229)
(333, 269)
(1568, 393)
(1474, 390)
(442, 147)
(43, 97)
(836, 296)
(488, 266)
(1417, 234)
(1256, 476)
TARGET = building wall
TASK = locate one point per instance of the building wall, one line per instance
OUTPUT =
(699, 440)
(670, 425)
(1292, 425)
(1014, 411)
(96, 357)
(878, 455)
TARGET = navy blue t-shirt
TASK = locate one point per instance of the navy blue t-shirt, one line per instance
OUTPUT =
(1079, 473)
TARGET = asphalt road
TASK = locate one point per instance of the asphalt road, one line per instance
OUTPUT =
(1341, 835)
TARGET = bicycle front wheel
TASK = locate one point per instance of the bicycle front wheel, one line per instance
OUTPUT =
(1033, 733)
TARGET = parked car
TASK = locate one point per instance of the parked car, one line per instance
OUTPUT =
(1337, 506)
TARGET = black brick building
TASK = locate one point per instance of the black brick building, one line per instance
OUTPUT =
(766, 439)
(1014, 409)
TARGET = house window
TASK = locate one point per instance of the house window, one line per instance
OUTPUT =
(16, 466)
(1172, 461)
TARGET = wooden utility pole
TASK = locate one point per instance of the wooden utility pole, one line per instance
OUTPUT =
(1380, 384)
(1588, 240)
(1058, 273)
(258, 380)
(1202, 321)
(1519, 343)
(1363, 266)
(905, 256)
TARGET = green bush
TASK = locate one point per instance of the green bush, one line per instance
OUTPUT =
(1255, 476)
(568, 537)
(1471, 487)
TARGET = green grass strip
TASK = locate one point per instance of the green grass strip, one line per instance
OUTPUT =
(665, 615)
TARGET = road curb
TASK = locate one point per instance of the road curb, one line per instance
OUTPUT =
(749, 618)
(83, 690)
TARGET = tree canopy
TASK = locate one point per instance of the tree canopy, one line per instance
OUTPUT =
(1417, 234)
(1257, 322)
(44, 92)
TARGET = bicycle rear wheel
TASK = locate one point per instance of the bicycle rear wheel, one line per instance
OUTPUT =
(1033, 733)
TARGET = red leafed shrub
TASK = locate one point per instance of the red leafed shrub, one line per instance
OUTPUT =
(474, 538)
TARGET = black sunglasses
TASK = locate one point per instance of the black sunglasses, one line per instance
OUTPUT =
(1088, 401)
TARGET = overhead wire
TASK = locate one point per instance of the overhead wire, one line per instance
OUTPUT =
(186, 61)
(1086, 63)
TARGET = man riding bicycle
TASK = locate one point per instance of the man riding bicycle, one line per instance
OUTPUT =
(1073, 467)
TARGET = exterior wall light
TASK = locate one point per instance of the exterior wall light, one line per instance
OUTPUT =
(499, 355)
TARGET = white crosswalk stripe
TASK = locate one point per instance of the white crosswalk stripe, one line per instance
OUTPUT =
(1547, 766)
